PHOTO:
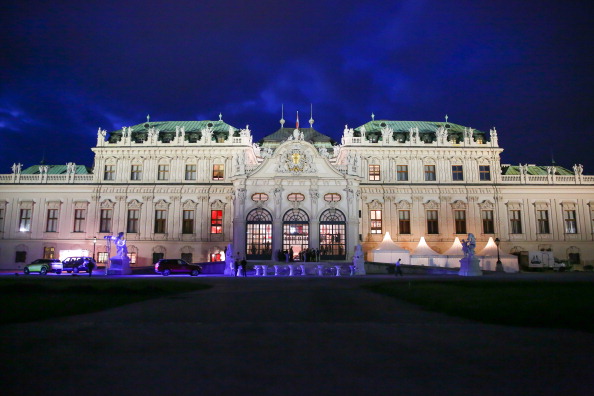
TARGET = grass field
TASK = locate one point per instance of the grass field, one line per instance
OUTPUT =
(25, 299)
(519, 303)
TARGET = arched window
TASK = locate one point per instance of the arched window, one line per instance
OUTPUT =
(332, 235)
(259, 235)
(295, 232)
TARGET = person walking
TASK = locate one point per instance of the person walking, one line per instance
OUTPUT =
(244, 267)
(90, 267)
(398, 270)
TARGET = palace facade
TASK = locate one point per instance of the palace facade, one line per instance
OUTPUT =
(189, 188)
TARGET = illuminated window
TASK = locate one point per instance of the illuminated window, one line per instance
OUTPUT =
(374, 172)
(515, 221)
(216, 221)
(190, 172)
(404, 221)
(102, 257)
(332, 197)
(163, 172)
(570, 222)
(25, 220)
(429, 172)
(160, 221)
(402, 172)
(295, 197)
(79, 220)
(432, 222)
(457, 173)
(543, 221)
(52, 220)
(132, 257)
(488, 225)
(49, 252)
(132, 226)
(376, 221)
(105, 220)
(109, 172)
(484, 172)
(257, 197)
(188, 222)
(460, 221)
(136, 172)
(218, 172)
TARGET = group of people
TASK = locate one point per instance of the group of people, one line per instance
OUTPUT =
(309, 254)
(240, 262)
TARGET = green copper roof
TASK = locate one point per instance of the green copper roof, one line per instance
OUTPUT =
(190, 126)
(534, 170)
(404, 126)
(56, 170)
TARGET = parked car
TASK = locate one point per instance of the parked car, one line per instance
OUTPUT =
(43, 266)
(76, 264)
(176, 266)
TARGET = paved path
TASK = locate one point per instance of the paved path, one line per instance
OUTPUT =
(288, 336)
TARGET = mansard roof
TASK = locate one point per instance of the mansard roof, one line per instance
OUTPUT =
(404, 126)
(56, 170)
(534, 170)
(189, 126)
(309, 135)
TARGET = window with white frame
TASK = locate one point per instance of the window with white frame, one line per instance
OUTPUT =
(133, 217)
(488, 224)
(105, 220)
(136, 172)
(218, 172)
(432, 222)
(402, 172)
(190, 172)
(160, 221)
(79, 220)
(542, 219)
(25, 220)
(404, 221)
(163, 172)
(484, 173)
(52, 220)
(188, 222)
(570, 221)
(109, 172)
(460, 221)
(457, 173)
(374, 172)
(430, 173)
(515, 221)
(376, 221)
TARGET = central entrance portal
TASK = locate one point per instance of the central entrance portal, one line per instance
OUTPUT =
(295, 232)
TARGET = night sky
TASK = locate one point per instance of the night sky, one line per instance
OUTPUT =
(68, 68)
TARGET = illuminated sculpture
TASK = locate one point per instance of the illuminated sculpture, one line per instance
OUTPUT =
(469, 264)
(120, 263)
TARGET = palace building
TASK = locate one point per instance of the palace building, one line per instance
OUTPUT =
(187, 189)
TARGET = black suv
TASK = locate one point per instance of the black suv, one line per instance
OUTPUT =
(76, 264)
(176, 266)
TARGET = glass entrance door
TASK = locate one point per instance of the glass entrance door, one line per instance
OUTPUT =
(295, 233)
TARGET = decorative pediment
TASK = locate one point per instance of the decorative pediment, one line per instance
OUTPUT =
(81, 204)
(162, 204)
(513, 205)
(375, 204)
(187, 249)
(458, 205)
(486, 205)
(134, 204)
(431, 205)
(403, 204)
(189, 204)
(541, 205)
(107, 204)
(217, 204)
(568, 205)
(159, 249)
(54, 204)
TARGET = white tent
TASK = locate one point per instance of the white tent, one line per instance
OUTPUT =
(424, 255)
(389, 252)
(454, 254)
(488, 258)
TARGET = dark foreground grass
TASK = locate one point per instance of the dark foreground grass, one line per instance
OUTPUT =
(535, 304)
(37, 298)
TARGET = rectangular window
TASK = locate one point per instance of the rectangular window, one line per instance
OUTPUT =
(460, 221)
(20, 257)
(79, 220)
(429, 172)
(105, 220)
(163, 172)
(52, 220)
(136, 172)
(102, 257)
(404, 221)
(1, 219)
(570, 222)
(543, 221)
(109, 172)
(376, 221)
(187, 257)
(49, 252)
(132, 226)
(484, 172)
(188, 222)
(374, 172)
(218, 172)
(402, 172)
(432, 222)
(25, 220)
(216, 221)
(132, 256)
(160, 221)
(515, 221)
(190, 172)
(457, 173)
(488, 225)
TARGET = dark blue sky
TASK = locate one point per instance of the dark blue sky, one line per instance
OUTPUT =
(69, 67)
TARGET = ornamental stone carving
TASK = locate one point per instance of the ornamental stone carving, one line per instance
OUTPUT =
(217, 204)
(402, 204)
(486, 205)
(295, 160)
(375, 204)
(430, 205)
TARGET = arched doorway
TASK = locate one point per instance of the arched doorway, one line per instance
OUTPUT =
(332, 235)
(259, 235)
(295, 231)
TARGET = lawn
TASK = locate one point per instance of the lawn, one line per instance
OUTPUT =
(518, 303)
(25, 299)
